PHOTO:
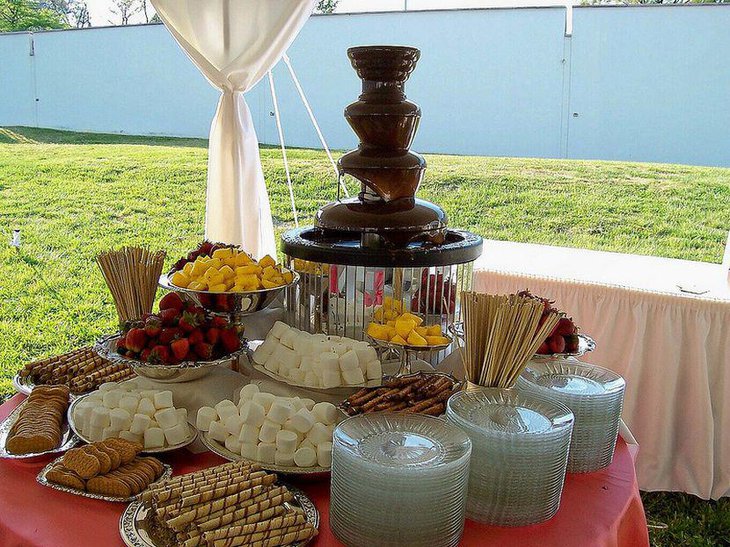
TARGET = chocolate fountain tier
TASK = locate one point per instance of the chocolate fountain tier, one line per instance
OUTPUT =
(391, 64)
(390, 175)
(345, 248)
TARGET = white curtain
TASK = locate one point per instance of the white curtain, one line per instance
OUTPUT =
(235, 43)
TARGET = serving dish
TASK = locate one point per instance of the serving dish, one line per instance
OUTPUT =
(68, 439)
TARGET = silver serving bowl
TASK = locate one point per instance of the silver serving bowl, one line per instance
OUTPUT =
(186, 371)
(234, 303)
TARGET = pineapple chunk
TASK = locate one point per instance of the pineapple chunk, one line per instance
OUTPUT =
(198, 269)
(421, 331)
(242, 259)
(196, 286)
(230, 262)
(434, 330)
(412, 317)
(215, 263)
(404, 327)
(227, 272)
(250, 269)
(180, 279)
(398, 340)
(391, 314)
(288, 277)
(270, 283)
(415, 339)
(267, 261)
(436, 340)
(377, 331)
(188, 268)
(223, 253)
(378, 314)
(221, 287)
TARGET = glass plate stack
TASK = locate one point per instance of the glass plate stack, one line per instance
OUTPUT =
(398, 479)
(594, 394)
(519, 453)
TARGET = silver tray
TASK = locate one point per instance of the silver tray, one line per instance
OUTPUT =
(41, 478)
(339, 390)
(134, 524)
(586, 344)
(314, 472)
(22, 385)
(193, 432)
(68, 438)
(186, 371)
(407, 347)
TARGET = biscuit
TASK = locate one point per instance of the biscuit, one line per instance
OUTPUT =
(127, 449)
(65, 477)
(107, 486)
(114, 456)
(82, 463)
(105, 462)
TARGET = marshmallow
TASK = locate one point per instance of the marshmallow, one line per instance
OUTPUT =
(353, 377)
(287, 338)
(286, 442)
(340, 348)
(264, 399)
(249, 434)
(311, 379)
(129, 404)
(302, 421)
(163, 399)
(264, 351)
(279, 329)
(247, 392)
(252, 413)
(146, 406)
(268, 431)
(329, 362)
(206, 415)
(325, 412)
(108, 386)
(324, 454)
(167, 418)
(305, 457)
(306, 443)
(319, 434)
(348, 361)
(308, 403)
(285, 459)
(109, 433)
(331, 379)
(182, 415)
(366, 355)
(99, 417)
(217, 431)
(140, 424)
(303, 343)
(233, 424)
(374, 370)
(119, 419)
(266, 453)
(233, 444)
(154, 438)
(96, 434)
(132, 437)
(225, 408)
(177, 434)
(280, 411)
(148, 394)
(129, 385)
(297, 375)
(112, 397)
(249, 451)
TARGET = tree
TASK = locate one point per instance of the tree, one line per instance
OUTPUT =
(75, 13)
(326, 6)
(124, 9)
(28, 15)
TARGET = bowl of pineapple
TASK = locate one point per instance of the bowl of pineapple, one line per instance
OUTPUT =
(393, 327)
(228, 280)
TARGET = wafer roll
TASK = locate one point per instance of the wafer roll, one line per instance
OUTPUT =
(174, 487)
(272, 498)
(284, 535)
(203, 510)
(284, 521)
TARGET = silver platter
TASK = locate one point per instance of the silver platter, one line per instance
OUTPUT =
(68, 438)
(22, 385)
(586, 344)
(41, 478)
(339, 390)
(186, 371)
(193, 432)
(237, 303)
(135, 524)
(314, 472)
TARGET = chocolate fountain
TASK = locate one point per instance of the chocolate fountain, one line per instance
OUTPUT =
(385, 242)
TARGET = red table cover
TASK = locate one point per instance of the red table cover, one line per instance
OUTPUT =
(597, 509)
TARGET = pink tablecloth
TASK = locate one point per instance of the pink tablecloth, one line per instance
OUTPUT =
(600, 509)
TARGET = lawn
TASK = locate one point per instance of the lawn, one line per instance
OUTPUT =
(73, 195)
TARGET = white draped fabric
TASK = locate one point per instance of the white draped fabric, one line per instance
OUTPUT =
(235, 43)
(672, 348)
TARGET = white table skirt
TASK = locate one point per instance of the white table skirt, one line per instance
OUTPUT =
(673, 350)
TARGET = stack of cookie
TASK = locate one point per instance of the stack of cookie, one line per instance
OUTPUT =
(82, 370)
(38, 427)
(110, 468)
(231, 504)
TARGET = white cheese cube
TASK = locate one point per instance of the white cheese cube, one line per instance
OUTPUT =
(182, 415)
(167, 417)
(108, 386)
(329, 362)
(374, 370)
(311, 379)
(206, 415)
(303, 343)
(109, 433)
(129, 385)
(177, 434)
(148, 394)
(129, 404)
(348, 361)
(146, 406)
(264, 351)
(112, 397)
(331, 378)
(96, 434)
(287, 338)
(99, 417)
(279, 329)
(365, 355)
(132, 437)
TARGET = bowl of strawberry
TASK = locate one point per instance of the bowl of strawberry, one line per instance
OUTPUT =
(179, 343)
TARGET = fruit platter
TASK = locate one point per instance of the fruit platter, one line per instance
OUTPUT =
(179, 343)
(225, 279)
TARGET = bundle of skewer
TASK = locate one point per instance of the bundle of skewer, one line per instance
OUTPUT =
(420, 393)
(233, 504)
(81, 370)
(132, 273)
(501, 334)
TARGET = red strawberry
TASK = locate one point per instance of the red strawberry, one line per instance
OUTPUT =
(145, 355)
(189, 321)
(571, 343)
(191, 356)
(151, 342)
(135, 340)
(169, 334)
(122, 343)
(152, 325)
(195, 337)
(171, 300)
(556, 343)
(218, 322)
(180, 348)
(203, 350)
(565, 327)
(160, 354)
(212, 335)
(169, 316)
(230, 340)
(544, 348)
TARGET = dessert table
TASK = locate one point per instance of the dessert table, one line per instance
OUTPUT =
(670, 346)
(597, 509)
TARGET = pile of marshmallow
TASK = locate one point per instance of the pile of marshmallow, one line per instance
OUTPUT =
(286, 431)
(146, 416)
(317, 360)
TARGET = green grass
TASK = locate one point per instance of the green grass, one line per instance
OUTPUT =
(74, 195)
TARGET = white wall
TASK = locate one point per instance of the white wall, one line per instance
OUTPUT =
(646, 83)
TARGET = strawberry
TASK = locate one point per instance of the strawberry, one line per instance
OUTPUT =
(152, 325)
(571, 343)
(169, 316)
(212, 335)
(151, 343)
(160, 354)
(180, 348)
(218, 322)
(556, 343)
(195, 337)
(203, 350)
(189, 321)
(230, 340)
(135, 340)
(565, 327)
(145, 355)
(169, 334)
(171, 300)
(544, 348)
